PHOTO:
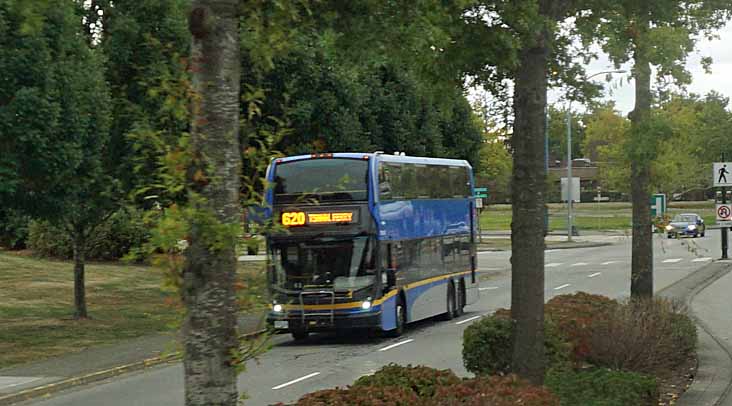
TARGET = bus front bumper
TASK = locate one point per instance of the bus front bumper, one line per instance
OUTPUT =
(294, 321)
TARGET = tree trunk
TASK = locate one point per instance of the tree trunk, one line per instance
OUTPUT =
(641, 280)
(79, 243)
(528, 198)
(209, 330)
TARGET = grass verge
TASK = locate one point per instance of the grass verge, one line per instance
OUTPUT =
(591, 216)
(124, 301)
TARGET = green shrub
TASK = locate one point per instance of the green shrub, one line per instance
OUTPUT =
(13, 229)
(494, 391)
(361, 395)
(487, 345)
(602, 387)
(422, 380)
(124, 230)
(647, 336)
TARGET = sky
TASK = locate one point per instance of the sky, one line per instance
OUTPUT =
(720, 79)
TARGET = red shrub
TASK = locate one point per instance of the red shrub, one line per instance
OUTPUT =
(493, 391)
(575, 317)
(361, 395)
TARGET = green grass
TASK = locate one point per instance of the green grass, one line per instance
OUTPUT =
(590, 216)
(124, 301)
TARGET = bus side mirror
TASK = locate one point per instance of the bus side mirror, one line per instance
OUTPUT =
(391, 277)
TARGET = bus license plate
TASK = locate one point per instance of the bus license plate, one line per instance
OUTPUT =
(281, 324)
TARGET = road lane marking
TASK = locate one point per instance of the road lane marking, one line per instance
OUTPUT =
(671, 261)
(553, 265)
(562, 286)
(594, 274)
(467, 320)
(609, 262)
(548, 251)
(580, 264)
(388, 347)
(294, 381)
(488, 288)
(705, 259)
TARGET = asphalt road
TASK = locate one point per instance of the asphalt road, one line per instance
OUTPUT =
(290, 369)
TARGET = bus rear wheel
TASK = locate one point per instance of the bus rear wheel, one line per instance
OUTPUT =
(460, 301)
(450, 303)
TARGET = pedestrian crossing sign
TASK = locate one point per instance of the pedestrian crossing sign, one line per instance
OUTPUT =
(722, 174)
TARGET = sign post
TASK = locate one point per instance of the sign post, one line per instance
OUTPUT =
(722, 177)
(658, 205)
(480, 194)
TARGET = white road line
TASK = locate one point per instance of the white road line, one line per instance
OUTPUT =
(467, 320)
(388, 347)
(594, 274)
(296, 380)
(553, 265)
(488, 288)
(548, 251)
(580, 264)
(562, 286)
(609, 262)
(671, 261)
(705, 259)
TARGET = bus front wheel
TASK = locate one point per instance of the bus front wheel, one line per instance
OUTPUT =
(400, 314)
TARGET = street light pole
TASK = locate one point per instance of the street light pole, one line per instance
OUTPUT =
(569, 155)
(569, 175)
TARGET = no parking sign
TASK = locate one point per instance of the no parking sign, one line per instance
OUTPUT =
(724, 212)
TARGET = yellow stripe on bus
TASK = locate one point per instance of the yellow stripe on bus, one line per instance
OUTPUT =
(351, 305)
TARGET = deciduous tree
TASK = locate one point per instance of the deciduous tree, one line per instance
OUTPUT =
(649, 33)
(209, 329)
(54, 124)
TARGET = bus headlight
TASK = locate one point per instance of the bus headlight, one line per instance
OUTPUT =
(366, 304)
(277, 308)
(692, 227)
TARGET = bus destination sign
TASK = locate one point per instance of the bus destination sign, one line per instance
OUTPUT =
(301, 218)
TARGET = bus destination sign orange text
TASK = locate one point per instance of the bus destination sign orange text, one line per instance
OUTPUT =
(299, 218)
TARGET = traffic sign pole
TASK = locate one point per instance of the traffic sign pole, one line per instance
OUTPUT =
(724, 229)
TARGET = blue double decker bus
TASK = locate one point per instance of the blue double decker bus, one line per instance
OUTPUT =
(370, 241)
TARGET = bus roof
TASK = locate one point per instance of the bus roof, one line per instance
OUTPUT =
(383, 158)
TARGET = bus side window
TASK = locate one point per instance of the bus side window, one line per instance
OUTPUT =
(385, 184)
(396, 180)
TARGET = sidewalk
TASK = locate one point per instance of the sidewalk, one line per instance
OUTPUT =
(707, 292)
(713, 309)
(93, 364)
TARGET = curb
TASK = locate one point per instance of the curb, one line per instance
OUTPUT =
(705, 389)
(68, 383)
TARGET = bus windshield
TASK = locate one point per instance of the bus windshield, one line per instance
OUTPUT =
(321, 180)
(338, 264)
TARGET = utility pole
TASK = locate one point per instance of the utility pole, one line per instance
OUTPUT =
(569, 154)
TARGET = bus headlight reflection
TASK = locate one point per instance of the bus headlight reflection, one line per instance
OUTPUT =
(366, 305)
